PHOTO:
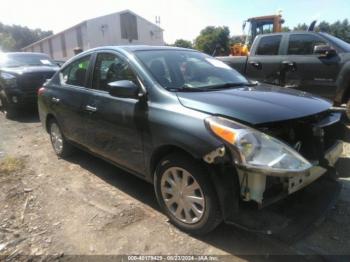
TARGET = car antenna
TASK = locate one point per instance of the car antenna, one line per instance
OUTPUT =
(312, 26)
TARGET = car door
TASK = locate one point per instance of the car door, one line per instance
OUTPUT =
(115, 124)
(265, 62)
(311, 72)
(66, 98)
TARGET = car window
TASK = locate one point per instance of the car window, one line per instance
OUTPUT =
(269, 45)
(303, 44)
(177, 69)
(76, 72)
(109, 68)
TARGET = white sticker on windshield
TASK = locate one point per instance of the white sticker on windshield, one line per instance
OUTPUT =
(217, 63)
(45, 62)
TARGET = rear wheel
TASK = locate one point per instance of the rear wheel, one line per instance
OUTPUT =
(9, 111)
(186, 194)
(59, 144)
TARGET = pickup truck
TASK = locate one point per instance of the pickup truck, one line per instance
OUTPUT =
(308, 61)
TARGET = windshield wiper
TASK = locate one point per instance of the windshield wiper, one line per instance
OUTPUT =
(216, 87)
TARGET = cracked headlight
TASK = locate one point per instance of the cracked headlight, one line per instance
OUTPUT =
(9, 79)
(256, 149)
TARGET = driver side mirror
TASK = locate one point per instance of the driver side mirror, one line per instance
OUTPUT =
(123, 89)
(324, 51)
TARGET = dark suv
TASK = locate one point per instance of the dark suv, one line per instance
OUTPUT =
(21, 75)
(211, 142)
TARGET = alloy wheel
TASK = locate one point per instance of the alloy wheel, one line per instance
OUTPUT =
(56, 138)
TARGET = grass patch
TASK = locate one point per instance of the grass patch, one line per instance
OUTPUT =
(10, 165)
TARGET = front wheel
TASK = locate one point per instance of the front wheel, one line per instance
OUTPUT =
(186, 194)
(59, 144)
(348, 110)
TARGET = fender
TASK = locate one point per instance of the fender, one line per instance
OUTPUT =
(343, 85)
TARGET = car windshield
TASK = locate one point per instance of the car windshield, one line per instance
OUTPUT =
(182, 70)
(18, 59)
(342, 44)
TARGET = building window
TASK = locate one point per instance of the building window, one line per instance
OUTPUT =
(41, 47)
(63, 44)
(128, 26)
(79, 37)
(50, 47)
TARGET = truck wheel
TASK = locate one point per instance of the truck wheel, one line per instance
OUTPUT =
(9, 111)
(348, 110)
(186, 195)
(59, 144)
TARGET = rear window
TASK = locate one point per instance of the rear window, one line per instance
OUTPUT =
(269, 45)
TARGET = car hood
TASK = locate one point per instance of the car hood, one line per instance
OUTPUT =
(255, 105)
(29, 69)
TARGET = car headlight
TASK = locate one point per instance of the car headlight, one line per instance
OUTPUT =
(257, 149)
(9, 79)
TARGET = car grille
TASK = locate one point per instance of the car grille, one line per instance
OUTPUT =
(31, 82)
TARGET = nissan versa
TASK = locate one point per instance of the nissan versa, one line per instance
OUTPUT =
(210, 141)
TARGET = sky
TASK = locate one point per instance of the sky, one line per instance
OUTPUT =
(179, 18)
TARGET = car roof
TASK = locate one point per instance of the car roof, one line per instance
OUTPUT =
(290, 33)
(135, 48)
(23, 53)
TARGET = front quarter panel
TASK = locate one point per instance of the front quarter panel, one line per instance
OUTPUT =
(174, 125)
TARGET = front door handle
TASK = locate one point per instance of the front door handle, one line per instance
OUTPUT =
(55, 100)
(289, 66)
(90, 108)
(255, 64)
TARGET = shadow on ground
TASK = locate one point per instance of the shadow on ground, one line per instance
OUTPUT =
(228, 238)
(28, 116)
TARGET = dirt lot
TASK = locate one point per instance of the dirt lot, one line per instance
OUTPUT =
(84, 206)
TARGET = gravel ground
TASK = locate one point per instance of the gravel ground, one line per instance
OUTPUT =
(85, 206)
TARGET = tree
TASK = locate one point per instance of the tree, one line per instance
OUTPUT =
(214, 40)
(301, 27)
(15, 37)
(183, 43)
(7, 43)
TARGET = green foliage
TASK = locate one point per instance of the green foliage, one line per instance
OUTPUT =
(340, 29)
(213, 39)
(15, 37)
(7, 43)
(183, 43)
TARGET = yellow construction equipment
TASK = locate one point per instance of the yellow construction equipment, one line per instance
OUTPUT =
(257, 25)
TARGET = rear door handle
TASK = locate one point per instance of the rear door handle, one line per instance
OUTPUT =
(55, 100)
(255, 64)
(289, 65)
(90, 108)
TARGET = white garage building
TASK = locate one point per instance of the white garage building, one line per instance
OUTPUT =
(122, 28)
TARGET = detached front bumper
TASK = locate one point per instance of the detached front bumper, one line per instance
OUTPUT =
(266, 188)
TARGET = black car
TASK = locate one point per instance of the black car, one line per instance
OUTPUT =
(314, 62)
(21, 75)
(211, 142)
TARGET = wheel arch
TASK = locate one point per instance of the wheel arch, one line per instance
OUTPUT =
(343, 84)
(49, 117)
(223, 177)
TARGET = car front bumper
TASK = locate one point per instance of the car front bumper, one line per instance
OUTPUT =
(254, 181)
(19, 98)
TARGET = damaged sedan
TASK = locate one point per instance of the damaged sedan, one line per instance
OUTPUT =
(215, 146)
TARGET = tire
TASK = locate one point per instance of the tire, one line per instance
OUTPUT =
(9, 111)
(194, 210)
(348, 110)
(60, 145)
